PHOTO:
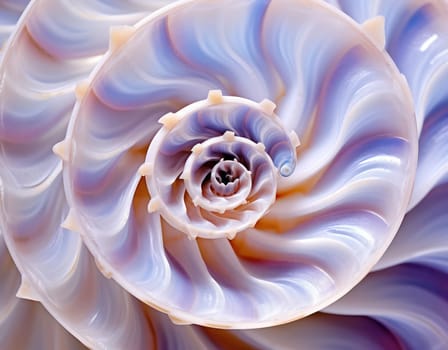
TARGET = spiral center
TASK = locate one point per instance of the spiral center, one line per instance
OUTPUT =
(212, 169)
(225, 177)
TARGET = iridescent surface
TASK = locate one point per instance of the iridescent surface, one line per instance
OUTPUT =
(408, 292)
(417, 40)
(10, 10)
(401, 304)
(43, 331)
(346, 195)
(185, 165)
(45, 59)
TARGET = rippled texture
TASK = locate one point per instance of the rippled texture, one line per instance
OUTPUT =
(416, 39)
(10, 12)
(402, 304)
(44, 332)
(39, 72)
(268, 274)
(228, 181)
(408, 290)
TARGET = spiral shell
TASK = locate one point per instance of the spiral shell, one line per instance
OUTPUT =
(234, 165)
(339, 201)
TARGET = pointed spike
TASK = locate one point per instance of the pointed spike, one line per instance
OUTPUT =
(178, 321)
(154, 205)
(214, 97)
(294, 138)
(61, 150)
(374, 27)
(267, 106)
(197, 149)
(169, 120)
(229, 136)
(71, 222)
(231, 235)
(260, 146)
(145, 169)
(25, 291)
(119, 35)
(81, 89)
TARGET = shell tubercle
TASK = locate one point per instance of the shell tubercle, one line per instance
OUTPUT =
(145, 169)
(268, 107)
(374, 27)
(119, 35)
(61, 150)
(169, 120)
(26, 292)
(154, 205)
(71, 222)
(215, 97)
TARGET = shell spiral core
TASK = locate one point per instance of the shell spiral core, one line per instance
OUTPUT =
(346, 193)
(199, 193)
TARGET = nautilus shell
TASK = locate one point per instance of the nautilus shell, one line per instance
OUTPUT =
(241, 174)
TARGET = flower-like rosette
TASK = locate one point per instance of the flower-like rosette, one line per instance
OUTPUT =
(212, 169)
(225, 187)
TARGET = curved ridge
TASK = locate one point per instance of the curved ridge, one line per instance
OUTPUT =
(173, 59)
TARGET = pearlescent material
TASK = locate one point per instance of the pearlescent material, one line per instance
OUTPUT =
(16, 314)
(408, 292)
(177, 178)
(47, 55)
(10, 10)
(402, 304)
(417, 40)
(43, 331)
(333, 216)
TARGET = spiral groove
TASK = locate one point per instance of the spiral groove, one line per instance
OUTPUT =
(116, 121)
(196, 175)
